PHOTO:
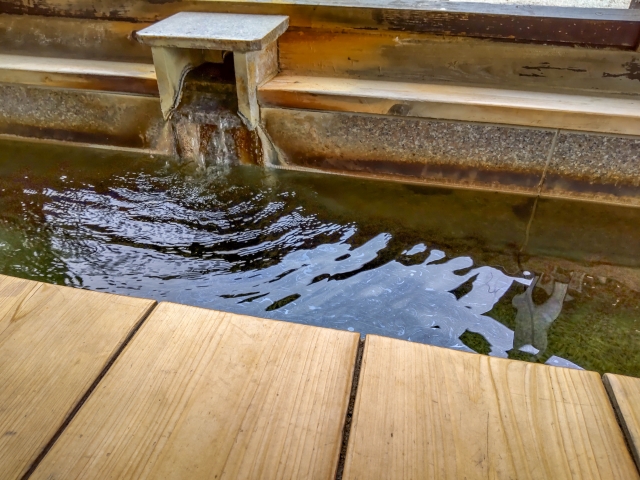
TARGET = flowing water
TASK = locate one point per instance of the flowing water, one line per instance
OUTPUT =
(441, 266)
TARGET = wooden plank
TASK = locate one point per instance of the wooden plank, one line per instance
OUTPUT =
(54, 342)
(400, 56)
(121, 77)
(453, 102)
(428, 412)
(582, 26)
(72, 38)
(206, 394)
(624, 393)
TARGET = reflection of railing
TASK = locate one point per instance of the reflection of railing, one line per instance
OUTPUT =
(583, 26)
(533, 321)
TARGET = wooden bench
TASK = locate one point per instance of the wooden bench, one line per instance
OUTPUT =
(483, 104)
(107, 76)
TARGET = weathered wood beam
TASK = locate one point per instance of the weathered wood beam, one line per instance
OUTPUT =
(516, 23)
(451, 102)
(422, 58)
(72, 38)
(121, 77)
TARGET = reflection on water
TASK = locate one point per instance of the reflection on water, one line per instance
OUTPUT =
(428, 265)
(533, 321)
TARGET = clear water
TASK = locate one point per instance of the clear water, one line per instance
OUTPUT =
(439, 266)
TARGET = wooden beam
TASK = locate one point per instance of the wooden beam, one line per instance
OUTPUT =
(420, 58)
(574, 26)
(72, 38)
(450, 102)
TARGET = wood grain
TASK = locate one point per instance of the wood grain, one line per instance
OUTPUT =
(206, 394)
(125, 77)
(582, 26)
(54, 342)
(453, 102)
(72, 38)
(428, 412)
(625, 397)
(410, 57)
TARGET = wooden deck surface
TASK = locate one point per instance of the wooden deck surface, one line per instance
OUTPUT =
(428, 412)
(625, 397)
(205, 394)
(54, 343)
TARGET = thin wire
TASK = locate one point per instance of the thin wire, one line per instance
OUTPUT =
(538, 192)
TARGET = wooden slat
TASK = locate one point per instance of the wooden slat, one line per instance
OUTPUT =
(122, 77)
(625, 397)
(428, 412)
(450, 102)
(206, 394)
(54, 342)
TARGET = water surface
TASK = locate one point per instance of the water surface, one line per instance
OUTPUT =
(440, 266)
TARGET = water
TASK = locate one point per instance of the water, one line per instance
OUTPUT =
(439, 266)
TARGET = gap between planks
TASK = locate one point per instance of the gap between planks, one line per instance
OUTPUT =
(88, 393)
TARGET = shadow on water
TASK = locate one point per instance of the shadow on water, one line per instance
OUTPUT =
(432, 265)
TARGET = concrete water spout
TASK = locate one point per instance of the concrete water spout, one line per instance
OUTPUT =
(188, 39)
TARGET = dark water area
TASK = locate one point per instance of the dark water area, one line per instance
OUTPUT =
(447, 267)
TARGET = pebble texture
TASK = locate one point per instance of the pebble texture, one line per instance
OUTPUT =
(596, 167)
(100, 118)
(597, 157)
(215, 31)
(463, 153)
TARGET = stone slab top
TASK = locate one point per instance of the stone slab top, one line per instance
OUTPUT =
(215, 31)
